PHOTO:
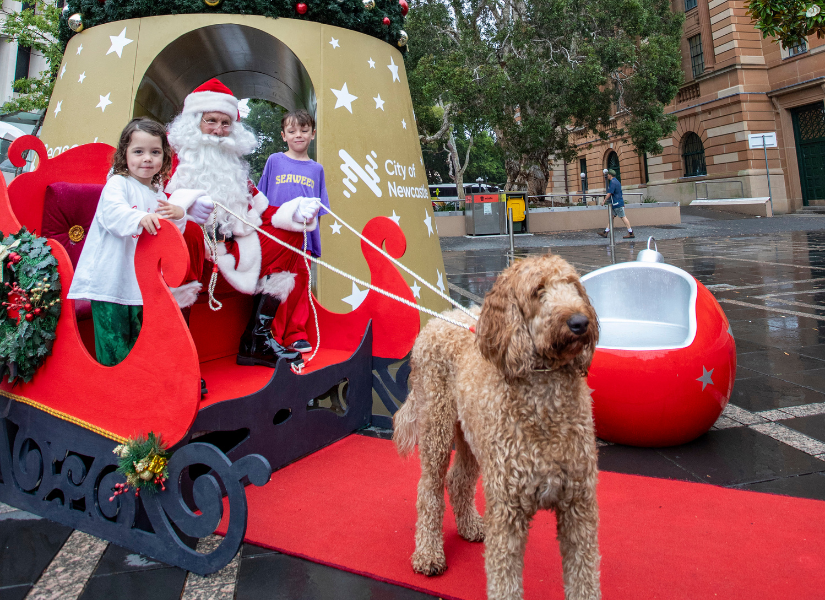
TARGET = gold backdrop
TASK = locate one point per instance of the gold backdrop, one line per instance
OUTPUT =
(356, 84)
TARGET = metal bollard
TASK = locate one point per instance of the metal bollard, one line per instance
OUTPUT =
(610, 234)
(510, 220)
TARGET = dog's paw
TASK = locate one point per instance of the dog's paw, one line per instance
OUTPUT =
(471, 530)
(429, 564)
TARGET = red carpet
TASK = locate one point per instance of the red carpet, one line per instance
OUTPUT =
(352, 506)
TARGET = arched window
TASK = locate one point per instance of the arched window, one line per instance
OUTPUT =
(613, 163)
(694, 154)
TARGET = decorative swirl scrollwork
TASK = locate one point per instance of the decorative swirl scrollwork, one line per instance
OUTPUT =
(27, 463)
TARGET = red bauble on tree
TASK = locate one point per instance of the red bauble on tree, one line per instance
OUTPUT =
(405, 7)
(386, 21)
(301, 7)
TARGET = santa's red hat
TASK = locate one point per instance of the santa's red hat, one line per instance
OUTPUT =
(212, 96)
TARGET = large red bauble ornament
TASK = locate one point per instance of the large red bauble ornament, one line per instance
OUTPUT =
(405, 7)
(386, 21)
(301, 8)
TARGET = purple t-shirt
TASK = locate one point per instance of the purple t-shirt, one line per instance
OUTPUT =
(285, 178)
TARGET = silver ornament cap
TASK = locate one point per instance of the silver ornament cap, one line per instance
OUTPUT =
(369, 4)
(65, 11)
(402, 38)
(76, 23)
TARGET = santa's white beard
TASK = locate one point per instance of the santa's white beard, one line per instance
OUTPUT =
(214, 164)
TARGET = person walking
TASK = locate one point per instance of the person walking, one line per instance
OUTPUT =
(614, 194)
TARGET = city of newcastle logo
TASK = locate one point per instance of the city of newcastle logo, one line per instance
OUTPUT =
(354, 172)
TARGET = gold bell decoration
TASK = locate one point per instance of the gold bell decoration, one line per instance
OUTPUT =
(402, 38)
(369, 4)
(76, 23)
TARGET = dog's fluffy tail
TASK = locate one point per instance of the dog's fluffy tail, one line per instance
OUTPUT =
(405, 428)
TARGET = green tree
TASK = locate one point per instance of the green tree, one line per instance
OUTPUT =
(789, 21)
(35, 28)
(264, 119)
(537, 70)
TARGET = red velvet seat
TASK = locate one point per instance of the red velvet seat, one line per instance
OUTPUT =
(68, 210)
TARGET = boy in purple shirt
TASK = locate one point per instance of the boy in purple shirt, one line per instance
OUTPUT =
(289, 175)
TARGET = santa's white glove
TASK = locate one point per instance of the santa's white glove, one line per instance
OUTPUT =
(201, 209)
(307, 210)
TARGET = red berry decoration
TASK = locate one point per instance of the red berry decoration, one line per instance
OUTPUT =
(386, 20)
(301, 8)
(37, 312)
(405, 7)
(27, 306)
(29, 317)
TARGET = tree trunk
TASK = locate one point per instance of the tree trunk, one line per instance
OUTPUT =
(456, 169)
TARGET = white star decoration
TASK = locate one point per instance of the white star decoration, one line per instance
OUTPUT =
(80, 48)
(344, 98)
(371, 63)
(705, 378)
(403, 123)
(440, 283)
(378, 102)
(356, 297)
(118, 42)
(395, 218)
(334, 43)
(336, 228)
(428, 221)
(394, 68)
(416, 289)
(82, 77)
(104, 102)
(58, 109)
(62, 71)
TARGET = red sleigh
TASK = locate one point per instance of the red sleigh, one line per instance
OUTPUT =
(57, 431)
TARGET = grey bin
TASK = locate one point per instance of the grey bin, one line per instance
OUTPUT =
(484, 214)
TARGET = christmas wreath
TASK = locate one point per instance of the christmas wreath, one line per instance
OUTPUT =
(29, 304)
(144, 462)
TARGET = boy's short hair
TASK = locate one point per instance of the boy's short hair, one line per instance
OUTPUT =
(300, 117)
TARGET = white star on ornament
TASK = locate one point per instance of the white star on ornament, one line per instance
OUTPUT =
(395, 218)
(80, 48)
(82, 77)
(371, 63)
(440, 284)
(118, 42)
(344, 98)
(705, 378)
(378, 102)
(403, 123)
(104, 102)
(62, 71)
(428, 221)
(336, 228)
(416, 289)
(334, 43)
(394, 68)
(58, 109)
(356, 297)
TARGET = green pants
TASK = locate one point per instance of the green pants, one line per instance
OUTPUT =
(116, 330)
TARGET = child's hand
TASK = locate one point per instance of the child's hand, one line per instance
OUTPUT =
(169, 211)
(150, 223)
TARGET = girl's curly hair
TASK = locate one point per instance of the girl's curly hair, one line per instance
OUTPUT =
(119, 166)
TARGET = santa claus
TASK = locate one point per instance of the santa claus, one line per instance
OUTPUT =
(210, 143)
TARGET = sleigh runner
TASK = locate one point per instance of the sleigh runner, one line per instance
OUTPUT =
(58, 431)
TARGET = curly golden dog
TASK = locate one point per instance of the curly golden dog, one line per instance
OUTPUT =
(514, 400)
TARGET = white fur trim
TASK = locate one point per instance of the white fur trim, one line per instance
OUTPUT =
(277, 284)
(282, 219)
(204, 102)
(186, 198)
(245, 277)
(260, 202)
(187, 294)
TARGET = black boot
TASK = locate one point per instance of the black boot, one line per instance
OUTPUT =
(258, 347)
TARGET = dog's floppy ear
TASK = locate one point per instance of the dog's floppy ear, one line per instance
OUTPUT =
(502, 334)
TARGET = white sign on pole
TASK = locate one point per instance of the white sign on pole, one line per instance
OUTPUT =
(755, 140)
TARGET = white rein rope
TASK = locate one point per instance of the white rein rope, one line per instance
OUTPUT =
(214, 304)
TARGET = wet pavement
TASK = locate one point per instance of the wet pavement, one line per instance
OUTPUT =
(769, 276)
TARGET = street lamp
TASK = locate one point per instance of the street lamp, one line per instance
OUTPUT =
(584, 184)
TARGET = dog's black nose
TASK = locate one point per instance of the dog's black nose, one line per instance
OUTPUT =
(578, 323)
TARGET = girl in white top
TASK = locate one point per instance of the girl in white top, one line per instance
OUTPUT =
(130, 203)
